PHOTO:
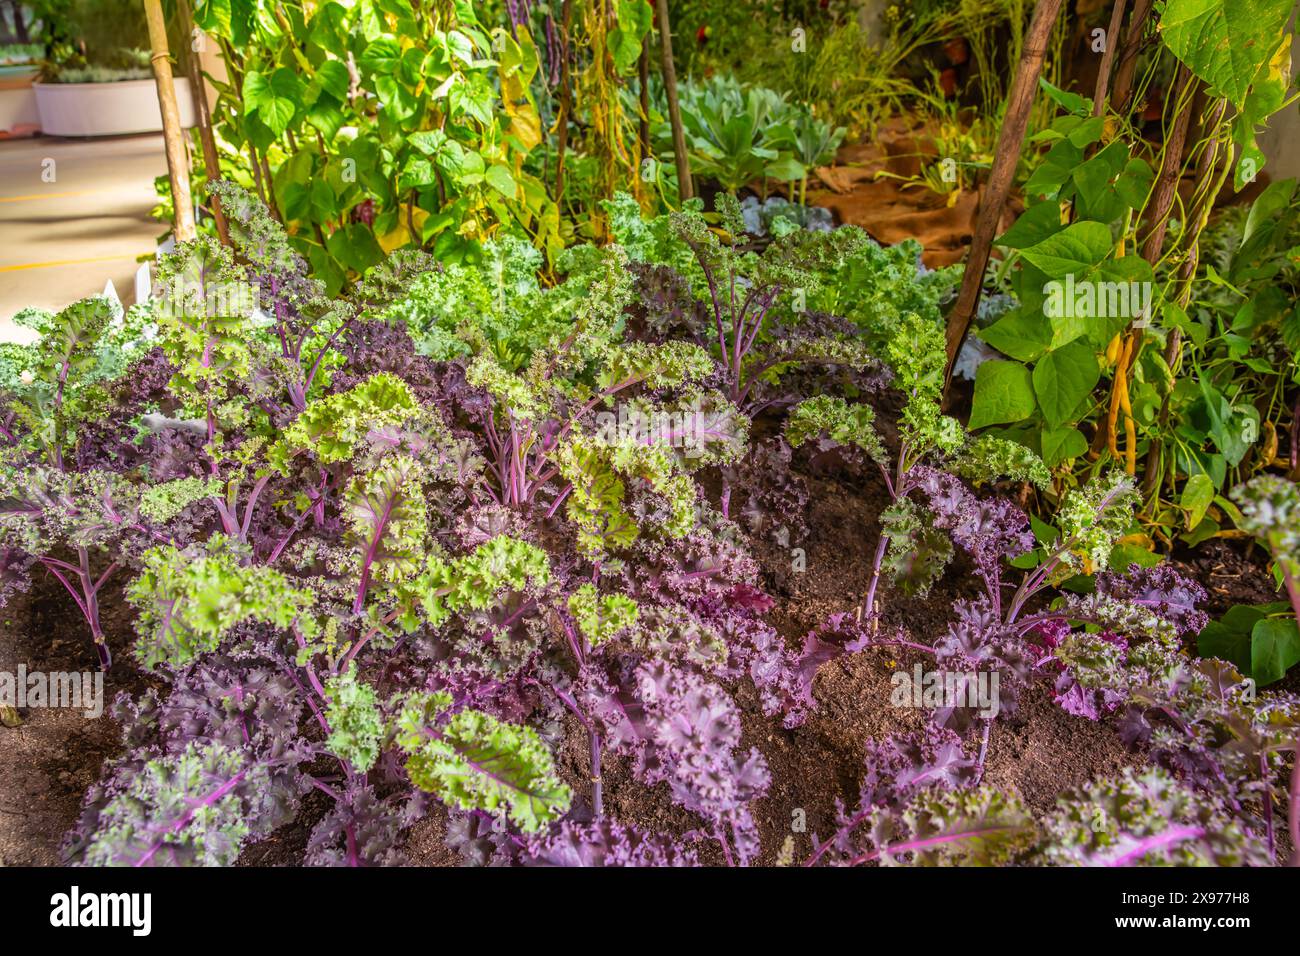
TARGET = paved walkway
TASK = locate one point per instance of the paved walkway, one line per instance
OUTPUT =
(61, 241)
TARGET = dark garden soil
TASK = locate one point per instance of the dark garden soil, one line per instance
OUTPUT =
(48, 762)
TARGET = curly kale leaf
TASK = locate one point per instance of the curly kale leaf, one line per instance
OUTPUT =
(59, 383)
(356, 723)
(841, 422)
(476, 581)
(604, 843)
(982, 827)
(472, 761)
(188, 600)
(334, 428)
(194, 808)
(599, 617)
(1145, 818)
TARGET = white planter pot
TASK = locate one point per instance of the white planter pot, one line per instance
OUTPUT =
(18, 115)
(107, 109)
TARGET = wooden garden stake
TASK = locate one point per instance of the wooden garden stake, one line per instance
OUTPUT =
(1171, 168)
(685, 188)
(211, 162)
(178, 169)
(1108, 57)
(1137, 26)
(1162, 200)
(1003, 172)
(1205, 173)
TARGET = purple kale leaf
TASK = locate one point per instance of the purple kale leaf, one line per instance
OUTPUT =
(694, 733)
(990, 531)
(363, 830)
(604, 843)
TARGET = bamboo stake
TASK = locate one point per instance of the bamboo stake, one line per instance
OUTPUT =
(998, 188)
(685, 187)
(566, 99)
(173, 138)
(198, 86)
(643, 74)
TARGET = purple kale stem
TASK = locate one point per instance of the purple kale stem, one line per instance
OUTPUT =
(58, 410)
(713, 294)
(353, 859)
(206, 362)
(554, 440)
(498, 456)
(517, 483)
(371, 553)
(91, 590)
(738, 329)
(580, 648)
(1160, 840)
(299, 521)
(559, 499)
(1035, 581)
(313, 679)
(184, 821)
(252, 502)
(311, 701)
(87, 597)
(322, 786)
(764, 306)
(315, 366)
(228, 523)
(910, 845)
(869, 604)
(720, 835)
(356, 648)
(984, 749)
(1293, 817)
(597, 792)
(845, 830)
(896, 488)
(1266, 798)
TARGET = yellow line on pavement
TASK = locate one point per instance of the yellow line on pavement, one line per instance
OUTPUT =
(64, 262)
(63, 195)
